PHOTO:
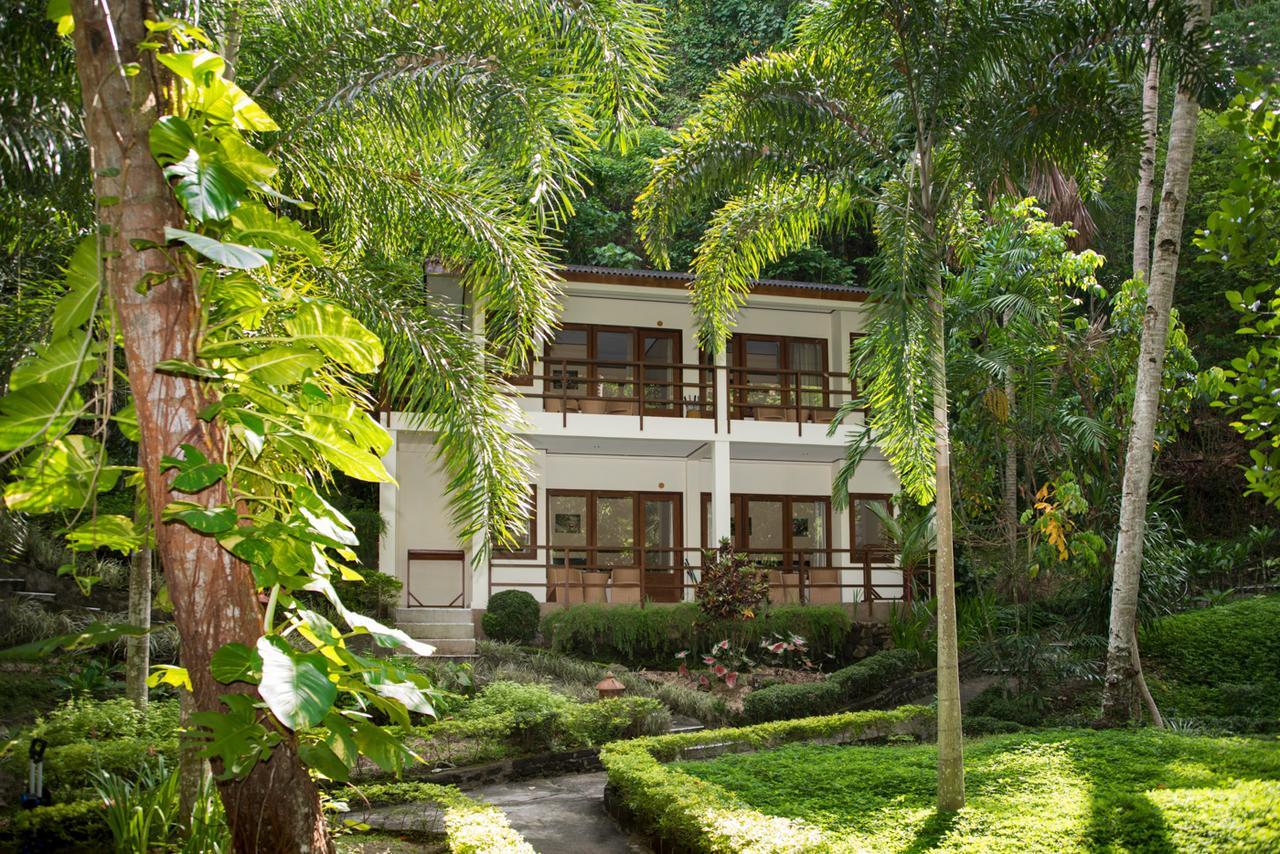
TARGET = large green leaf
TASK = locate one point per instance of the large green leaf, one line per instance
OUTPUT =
(320, 757)
(195, 472)
(227, 254)
(235, 662)
(281, 366)
(90, 636)
(347, 416)
(295, 685)
(251, 165)
(205, 187)
(61, 474)
(236, 736)
(342, 453)
(62, 362)
(84, 281)
(253, 223)
(206, 520)
(105, 532)
(36, 412)
(333, 331)
(127, 420)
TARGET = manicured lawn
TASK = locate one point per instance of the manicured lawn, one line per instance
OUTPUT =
(1058, 790)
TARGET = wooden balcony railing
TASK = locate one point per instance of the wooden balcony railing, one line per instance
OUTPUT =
(630, 575)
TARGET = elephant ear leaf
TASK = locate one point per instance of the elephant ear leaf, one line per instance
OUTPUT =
(295, 685)
(334, 332)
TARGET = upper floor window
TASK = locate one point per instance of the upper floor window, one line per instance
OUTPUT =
(613, 369)
(779, 378)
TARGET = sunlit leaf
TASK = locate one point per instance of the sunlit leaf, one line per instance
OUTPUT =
(295, 685)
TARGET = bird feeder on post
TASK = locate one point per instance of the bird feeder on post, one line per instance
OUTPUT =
(610, 687)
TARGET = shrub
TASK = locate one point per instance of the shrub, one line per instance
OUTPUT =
(1026, 708)
(1219, 661)
(76, 826)
(849, 685)
(512, 616)
(597, 723)
(731, 587)
(530, 713)
(85, 736)
(651, 636)
(692, 814)
(471, 827)
(975, 725)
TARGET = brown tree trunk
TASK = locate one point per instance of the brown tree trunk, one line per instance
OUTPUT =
(276, 808)
(1123, 686)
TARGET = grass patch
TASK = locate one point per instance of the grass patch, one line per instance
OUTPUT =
(1059, 790)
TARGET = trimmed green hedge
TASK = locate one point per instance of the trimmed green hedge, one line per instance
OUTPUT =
(76, 826)
(699, 816)
(1217, 662)
(652, 635)
(512, 616)
(470, 827)
(848, 685)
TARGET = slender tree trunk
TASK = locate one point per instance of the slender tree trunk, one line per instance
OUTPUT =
(138, 649)
(276, 808)
(1122, 688)
(1146, 168)
(950, 733)
(1009, 487)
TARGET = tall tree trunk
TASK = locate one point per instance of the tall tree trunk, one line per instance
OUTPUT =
(137, 650)
(276, 808)
(1146, 168)
(1122, 688)
(1009, 486)
(950, 733)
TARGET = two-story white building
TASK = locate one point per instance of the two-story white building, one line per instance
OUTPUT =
(648, 452)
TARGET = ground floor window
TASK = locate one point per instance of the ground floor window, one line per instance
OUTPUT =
(779, 530)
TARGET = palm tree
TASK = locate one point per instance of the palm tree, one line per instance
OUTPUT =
(895, 109)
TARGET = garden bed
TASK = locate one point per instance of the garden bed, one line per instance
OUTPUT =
(1052, 791)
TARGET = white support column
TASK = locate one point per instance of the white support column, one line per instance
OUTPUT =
(720, 492)
(720, 488)
(387, 502)
(840, 541)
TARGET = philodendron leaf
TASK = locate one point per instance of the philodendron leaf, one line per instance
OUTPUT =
(320, 757)
(61, 363)
(195, 472)
(127, 420)
(236, 736)
(204, 184)
(105, 532)
(84, 282)
(282, 366)
(227, 254)
(61, 474)
(41, 411)
(92, 635)
(206, 520)
(295, 685)
(235, 662)
(334, 332)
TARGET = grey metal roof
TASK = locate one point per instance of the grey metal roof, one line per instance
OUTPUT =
(632, 273)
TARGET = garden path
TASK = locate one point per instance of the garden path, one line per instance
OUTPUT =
(562, 815)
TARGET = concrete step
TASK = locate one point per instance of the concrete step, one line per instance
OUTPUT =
(431, 631)
(459, 648)
(433, 615)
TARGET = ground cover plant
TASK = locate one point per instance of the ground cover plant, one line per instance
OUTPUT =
(1055, 790)
(1218, 662)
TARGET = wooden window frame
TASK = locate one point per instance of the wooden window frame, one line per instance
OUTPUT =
(853, 515)
(738, 507)
(637, 522)
(593, 381)
(530, 551)
(739, 370)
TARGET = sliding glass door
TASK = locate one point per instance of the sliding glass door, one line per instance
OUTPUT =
(614, 370)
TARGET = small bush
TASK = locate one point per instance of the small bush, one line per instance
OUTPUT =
(651, 636)
(731, 586)
(77, 826)
(846, 686)
(1026, 708)
(86, 736)
(975, 725)
(593, 724)
(512, 616)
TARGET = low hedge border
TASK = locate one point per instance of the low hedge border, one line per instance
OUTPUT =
(689, 814)
(852, 684)
(470, 827)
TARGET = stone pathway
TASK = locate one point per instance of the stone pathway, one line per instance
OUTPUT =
(562, 815)
(556, 815)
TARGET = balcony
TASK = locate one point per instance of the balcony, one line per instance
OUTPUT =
(612, 576)
(646, 390)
